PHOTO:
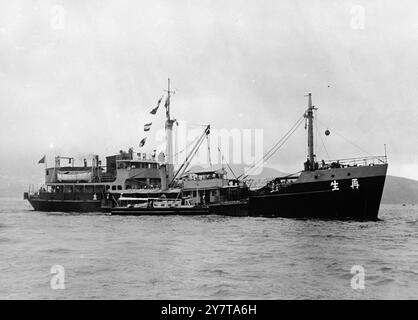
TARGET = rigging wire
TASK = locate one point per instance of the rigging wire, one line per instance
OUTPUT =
(322, 140)
(316, 133)
(285, 140)
(357, 146)
(209, 155)
(191, 155)
(192, 142)
(229, 167)
(276, 146)
(185, 148)
(306, 145)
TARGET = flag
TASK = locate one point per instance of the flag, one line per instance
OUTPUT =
(166, 104)
(141, 144)
(154, 111)
(42, 160)
(147, 126)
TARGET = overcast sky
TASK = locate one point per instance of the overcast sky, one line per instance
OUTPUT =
(79, 77)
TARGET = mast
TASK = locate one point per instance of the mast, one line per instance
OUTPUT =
(169, 137)
(168, 101)
(309, 115)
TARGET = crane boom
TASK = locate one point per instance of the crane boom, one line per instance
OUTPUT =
(191, 155)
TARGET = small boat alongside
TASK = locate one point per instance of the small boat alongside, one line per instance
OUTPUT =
(157, 206)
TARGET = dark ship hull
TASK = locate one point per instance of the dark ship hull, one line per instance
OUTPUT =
(65, 202)
(361, 205)
(325, 194)
(66, 206)
(230, 208)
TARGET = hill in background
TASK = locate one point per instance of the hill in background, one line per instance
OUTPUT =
(400, 190)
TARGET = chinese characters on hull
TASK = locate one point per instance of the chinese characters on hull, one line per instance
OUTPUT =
(354, 185)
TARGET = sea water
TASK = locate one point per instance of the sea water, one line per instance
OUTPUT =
(97, 256)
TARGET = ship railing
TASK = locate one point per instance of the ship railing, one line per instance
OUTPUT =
(353, 162)
(255, 183)
(104, 178)
(35, 189)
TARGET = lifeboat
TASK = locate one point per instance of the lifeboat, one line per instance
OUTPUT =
(74, 176)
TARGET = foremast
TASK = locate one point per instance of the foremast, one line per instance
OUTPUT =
(169, 177)
(169, 140)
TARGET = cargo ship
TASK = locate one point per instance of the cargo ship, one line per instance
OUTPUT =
(335, 189)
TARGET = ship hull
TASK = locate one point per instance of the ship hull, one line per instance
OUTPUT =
(350, 193)
(318, 200)
(230, 208)
(65, 205)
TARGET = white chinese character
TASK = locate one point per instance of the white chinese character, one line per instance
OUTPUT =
(354, 184)
(334, 185)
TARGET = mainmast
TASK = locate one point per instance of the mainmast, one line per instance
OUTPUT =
(309, 115)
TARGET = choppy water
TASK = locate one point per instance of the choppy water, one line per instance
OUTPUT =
(207, 257)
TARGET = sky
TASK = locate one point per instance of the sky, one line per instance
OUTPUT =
(79, 77)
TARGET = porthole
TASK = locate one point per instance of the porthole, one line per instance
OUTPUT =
(332, 176)
(349, 174)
